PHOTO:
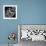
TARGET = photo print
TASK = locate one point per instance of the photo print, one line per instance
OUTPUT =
(32, 32)
(9, 11)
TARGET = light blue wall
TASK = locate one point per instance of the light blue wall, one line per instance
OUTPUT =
(33, 12)
(7, 26)
(28, 12)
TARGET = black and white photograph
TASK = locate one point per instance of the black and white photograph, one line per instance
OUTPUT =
(9, 11)
(31, 34)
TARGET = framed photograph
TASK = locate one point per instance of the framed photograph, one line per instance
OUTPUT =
(9, 11)
(31, 32)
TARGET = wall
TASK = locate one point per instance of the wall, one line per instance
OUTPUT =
(7, 26)
(33, 12)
